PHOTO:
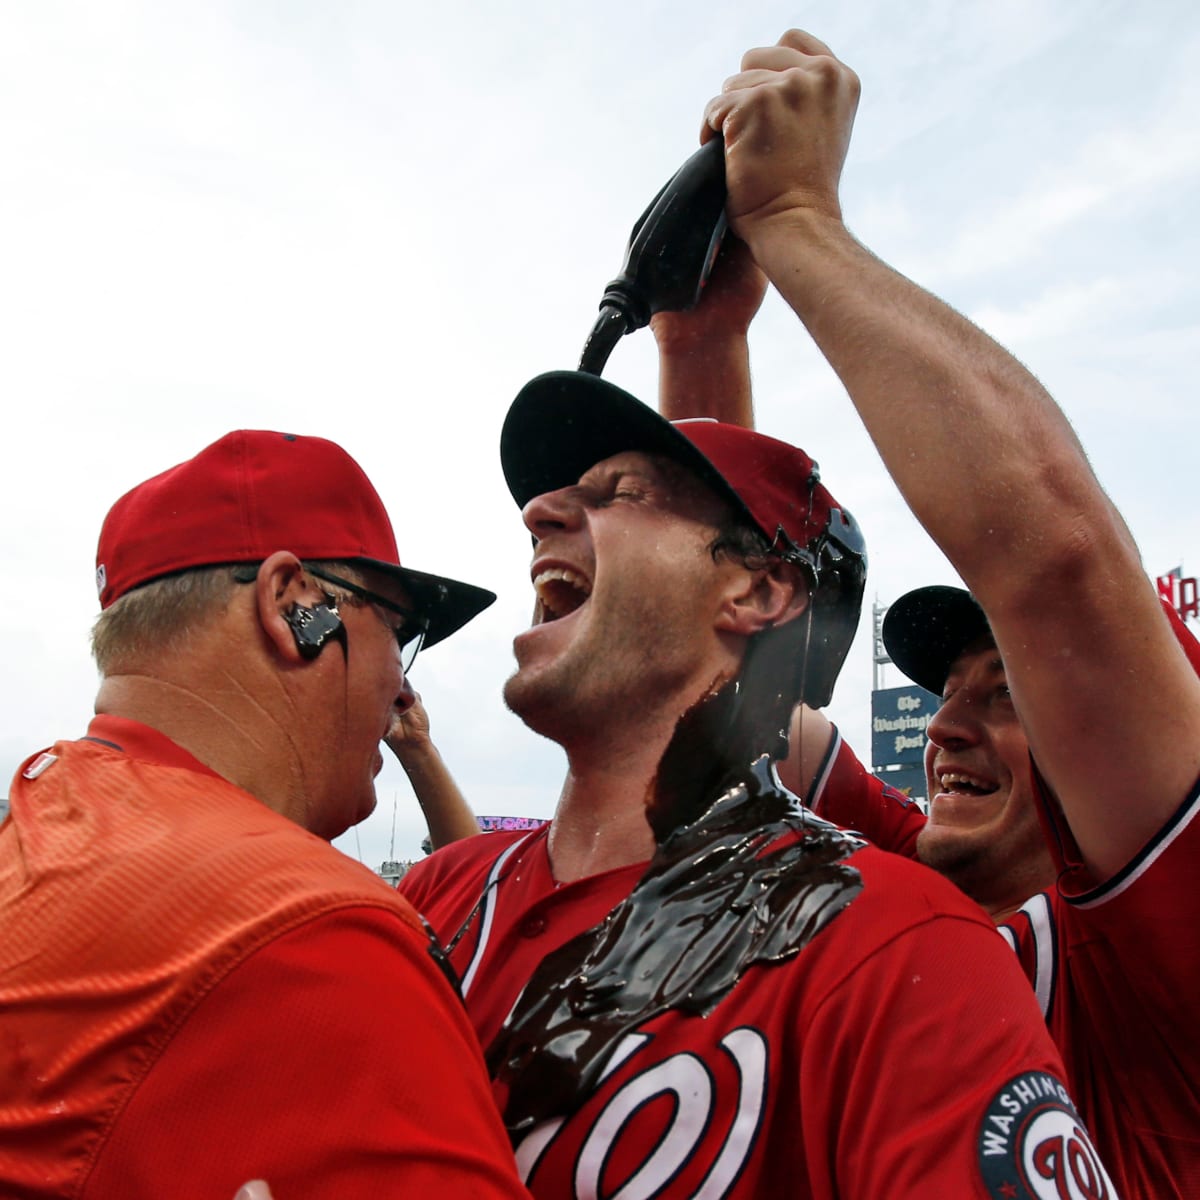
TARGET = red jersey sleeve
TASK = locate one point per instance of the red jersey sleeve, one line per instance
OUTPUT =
(926, 1087)
(847, 794)
(335, 1063)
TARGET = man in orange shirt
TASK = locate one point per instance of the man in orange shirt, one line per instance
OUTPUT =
(174, 916)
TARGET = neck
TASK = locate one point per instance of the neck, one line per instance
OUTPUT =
(1022, 885)
(600, 822)
(624, 760)
(224, 738)
(627, 789)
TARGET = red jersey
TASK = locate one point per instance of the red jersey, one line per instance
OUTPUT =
(187, 982)
(1116, 972)
(1116, 969)
(861, 1067)
(847, 794)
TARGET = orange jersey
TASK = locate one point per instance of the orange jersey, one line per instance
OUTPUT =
(189, 981)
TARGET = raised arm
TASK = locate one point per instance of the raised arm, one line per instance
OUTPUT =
(703, 355)
(447, 813)
(985, 458)
(704, 371)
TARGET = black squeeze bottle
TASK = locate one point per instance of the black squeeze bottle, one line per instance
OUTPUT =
(670, 254)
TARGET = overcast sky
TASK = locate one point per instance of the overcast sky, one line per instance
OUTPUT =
(374, 221)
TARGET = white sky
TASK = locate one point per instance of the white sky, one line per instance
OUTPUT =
(374, 221)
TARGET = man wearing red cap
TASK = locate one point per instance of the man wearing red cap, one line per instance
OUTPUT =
(687, 984)
(1074, 663)
(190, 972)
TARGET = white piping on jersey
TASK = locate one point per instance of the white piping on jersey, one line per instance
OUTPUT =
(1145, 860)
(1041, 926)
(815, 793)
(488, 912)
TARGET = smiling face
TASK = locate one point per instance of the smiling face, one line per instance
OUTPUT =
(628, 602)
(983, 831)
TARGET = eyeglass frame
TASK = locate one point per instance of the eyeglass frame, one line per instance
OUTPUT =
(412, 632)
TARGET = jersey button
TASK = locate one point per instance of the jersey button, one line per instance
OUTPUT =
(533, 927)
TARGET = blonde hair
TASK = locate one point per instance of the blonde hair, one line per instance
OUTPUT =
(160, 616)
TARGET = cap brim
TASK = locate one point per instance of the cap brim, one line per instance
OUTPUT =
(564, 422)
(447, 603)
(927, 629)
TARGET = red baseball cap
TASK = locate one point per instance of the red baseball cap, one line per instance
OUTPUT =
(254, 492)
(564, 422)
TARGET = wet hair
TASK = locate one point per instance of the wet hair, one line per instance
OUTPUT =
(738, 540)
(159, 617)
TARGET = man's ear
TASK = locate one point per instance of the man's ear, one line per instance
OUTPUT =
(280, 585)
(767, 597)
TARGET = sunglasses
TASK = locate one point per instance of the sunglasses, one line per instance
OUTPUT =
(409, 636)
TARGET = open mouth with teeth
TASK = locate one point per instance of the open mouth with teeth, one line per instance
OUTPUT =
(955, 783)
(560, 591)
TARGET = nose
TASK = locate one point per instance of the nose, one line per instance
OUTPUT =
(406, 699)
(955, 723)
(553, 511)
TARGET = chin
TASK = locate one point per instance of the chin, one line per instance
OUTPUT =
(540, 707)
(948, 850)
(355, 813)
(367, 807)
(522, 694)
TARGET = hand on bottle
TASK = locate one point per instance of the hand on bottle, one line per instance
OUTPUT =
(730, 299)
(786, 119)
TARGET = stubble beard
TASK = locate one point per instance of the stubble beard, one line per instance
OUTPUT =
(963, 862)
(541, 700)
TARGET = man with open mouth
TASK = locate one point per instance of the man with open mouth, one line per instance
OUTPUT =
(688, 984)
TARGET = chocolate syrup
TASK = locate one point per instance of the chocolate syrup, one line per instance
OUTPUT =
(751, 879)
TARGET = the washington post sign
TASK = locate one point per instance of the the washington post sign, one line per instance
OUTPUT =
(1179, 591)
(899, 717)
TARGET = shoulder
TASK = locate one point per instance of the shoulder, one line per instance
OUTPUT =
(902, 920)
(899, 892)
(458, 869)
(1166, 860)
(419, 1096)
(846, 793)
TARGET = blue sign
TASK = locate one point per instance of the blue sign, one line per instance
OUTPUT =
(899, 717)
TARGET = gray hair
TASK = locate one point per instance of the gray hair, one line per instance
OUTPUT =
(160, 616)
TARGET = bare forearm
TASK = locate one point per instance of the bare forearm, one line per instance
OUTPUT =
(709, 377)
(976, 445)
(986, 460)
(704, 355)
